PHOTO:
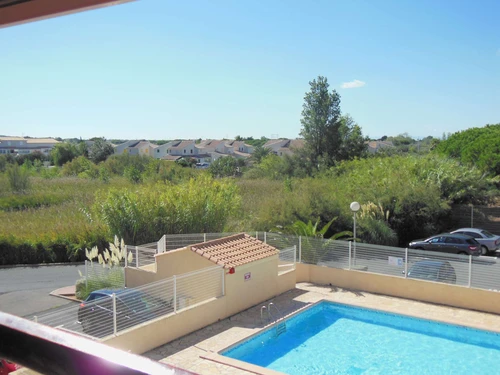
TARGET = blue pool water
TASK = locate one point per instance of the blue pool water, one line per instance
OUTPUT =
(330, 338)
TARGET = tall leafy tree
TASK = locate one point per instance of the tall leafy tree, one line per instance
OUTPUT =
(321, 120)
(330, 137)
(352, 142)
(224, 167)
(63, 152)
(100, 150)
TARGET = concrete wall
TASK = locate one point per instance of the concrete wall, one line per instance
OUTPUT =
(263, 284)
(444, 294)
(260, 284)
(152, 334)
(175, 262)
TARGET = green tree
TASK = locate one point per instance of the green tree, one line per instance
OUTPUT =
(83, 149)
(476, 146)
(352, 143)
(329, 136)
(100, 150)
(63, 152)
(259, 153)
(321, 121)
(224, 167)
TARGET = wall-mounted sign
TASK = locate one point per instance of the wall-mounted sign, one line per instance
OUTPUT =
(395, 261)
(248, 276)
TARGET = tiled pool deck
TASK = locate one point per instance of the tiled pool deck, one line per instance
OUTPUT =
(191, 352)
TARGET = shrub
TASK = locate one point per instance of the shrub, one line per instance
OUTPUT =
(149, 212)
(108, 273)
(18, 178)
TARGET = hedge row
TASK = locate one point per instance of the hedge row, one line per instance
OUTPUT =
(15, 251)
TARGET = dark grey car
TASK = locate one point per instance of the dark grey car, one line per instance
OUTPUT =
(448, 243)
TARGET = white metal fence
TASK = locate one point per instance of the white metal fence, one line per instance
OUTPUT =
(145, 254)
(476, 272)
(97, 277)
(125, 308)
(287, 260)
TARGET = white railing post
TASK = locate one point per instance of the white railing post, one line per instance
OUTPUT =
(265, 237)
(86, 275)
(257, 235)
(470, 271)
(223, 286)
(204, 237)
(406, 263)
(175, 294)
(161, 245)
(126, 256)
(350, 255)
(472, 216)
(113, 297)
(300, 249)
(294, 256)
(136, 257)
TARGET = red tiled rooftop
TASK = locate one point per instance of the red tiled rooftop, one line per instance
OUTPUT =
(235, 250)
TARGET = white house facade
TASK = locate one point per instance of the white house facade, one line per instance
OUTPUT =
(23, 145)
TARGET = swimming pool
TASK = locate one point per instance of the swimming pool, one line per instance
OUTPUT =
(331, 338)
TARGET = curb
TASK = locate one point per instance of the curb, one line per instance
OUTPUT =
(67, 292)
(41, 265)
(70, 298)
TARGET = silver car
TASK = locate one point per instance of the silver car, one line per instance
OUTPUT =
(489, 242)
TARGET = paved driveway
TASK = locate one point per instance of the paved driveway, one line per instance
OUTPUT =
(24, 291)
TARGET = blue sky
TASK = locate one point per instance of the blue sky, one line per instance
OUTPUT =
(161, 69)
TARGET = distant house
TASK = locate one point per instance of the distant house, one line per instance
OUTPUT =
(242, 147)
(24, 145)
(162, 151)
(220, 148)
(182, 148)
(136, 147)
(374, 146)
(211, 145)
(282, 147)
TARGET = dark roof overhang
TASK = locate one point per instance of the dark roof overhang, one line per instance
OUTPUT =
(15, 12)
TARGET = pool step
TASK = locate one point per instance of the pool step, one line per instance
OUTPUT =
(280, 328)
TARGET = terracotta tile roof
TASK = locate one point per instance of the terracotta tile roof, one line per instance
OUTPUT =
(235, 250)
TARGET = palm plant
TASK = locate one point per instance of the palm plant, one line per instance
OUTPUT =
(314, 246)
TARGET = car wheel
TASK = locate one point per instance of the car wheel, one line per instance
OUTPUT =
(484, 250)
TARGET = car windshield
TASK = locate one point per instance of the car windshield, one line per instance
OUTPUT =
(424, 272)
(487, 234)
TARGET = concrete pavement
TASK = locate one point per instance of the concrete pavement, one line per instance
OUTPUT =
(25, 291)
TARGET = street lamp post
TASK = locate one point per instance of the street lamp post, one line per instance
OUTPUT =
(355, 206)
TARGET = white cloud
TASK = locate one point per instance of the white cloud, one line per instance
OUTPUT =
(353, 84)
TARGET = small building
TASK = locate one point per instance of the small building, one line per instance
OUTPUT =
(135, 147)
(282, 147)
(375, 146)
(249, 274)
(26, 145)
